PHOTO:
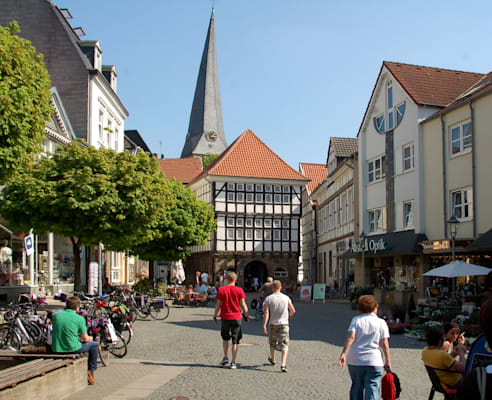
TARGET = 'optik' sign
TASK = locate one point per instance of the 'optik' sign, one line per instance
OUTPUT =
(371, 245)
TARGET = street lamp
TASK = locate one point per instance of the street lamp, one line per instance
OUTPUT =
(453, 230)
(362, 239)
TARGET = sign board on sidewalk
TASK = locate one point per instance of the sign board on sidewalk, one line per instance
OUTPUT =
(319, 292)
(93, 278)
(305, 294)
(29, 244)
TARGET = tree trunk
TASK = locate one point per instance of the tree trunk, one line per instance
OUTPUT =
(76, 260)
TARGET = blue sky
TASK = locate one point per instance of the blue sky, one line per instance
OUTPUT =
(293, 71)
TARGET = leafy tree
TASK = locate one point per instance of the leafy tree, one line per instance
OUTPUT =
(90, 196)
(187, 224)
(25, 101)
(209, 159)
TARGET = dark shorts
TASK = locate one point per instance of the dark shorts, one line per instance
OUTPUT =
(231, 329)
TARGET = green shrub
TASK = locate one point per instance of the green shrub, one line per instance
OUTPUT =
(146, 286)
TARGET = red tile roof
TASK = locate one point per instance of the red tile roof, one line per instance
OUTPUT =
(316, 172)
(431, 86)
(183, 169)
(427, 85)
(249, 157)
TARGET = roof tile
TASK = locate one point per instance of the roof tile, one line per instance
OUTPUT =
(432, 86)
(183, 169)
(316, 172)
(344, 147)
(248, 156)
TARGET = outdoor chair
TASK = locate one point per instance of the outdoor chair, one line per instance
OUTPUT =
(437, 386)
(188, 299)
(202, 301)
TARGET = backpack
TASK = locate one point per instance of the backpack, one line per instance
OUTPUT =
(254, 304)
(390, 386)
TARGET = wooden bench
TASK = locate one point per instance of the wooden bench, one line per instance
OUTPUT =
(35, 365)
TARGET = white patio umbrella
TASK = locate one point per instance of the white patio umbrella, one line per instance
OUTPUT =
(458, 268)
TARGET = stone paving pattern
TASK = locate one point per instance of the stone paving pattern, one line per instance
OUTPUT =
(188, 344)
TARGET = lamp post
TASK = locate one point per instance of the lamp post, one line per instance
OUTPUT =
(362, 238)
(453, 230)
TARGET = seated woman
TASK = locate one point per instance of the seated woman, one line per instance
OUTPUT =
(448, 370)
(189, 289)
(451, 334)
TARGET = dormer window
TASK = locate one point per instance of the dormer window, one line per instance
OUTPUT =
(393, 115)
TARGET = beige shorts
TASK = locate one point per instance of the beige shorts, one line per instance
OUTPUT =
(279, 337)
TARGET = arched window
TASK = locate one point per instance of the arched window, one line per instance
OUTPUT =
(280, 273)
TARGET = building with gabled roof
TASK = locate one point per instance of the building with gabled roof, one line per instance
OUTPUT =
(391, 169)
(456, 178)
(317, 174)
(257, 201)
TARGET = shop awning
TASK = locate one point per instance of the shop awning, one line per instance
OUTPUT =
(483, 242)
(397, 243)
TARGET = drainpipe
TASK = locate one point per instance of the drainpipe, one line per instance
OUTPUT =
(444, 183)
(474, 171)
(314, 270)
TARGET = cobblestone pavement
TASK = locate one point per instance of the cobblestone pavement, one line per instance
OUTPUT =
(189, 339)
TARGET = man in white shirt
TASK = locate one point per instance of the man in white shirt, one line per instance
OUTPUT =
(279, 309)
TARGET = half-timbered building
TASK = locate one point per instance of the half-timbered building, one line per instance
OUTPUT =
(257, 201)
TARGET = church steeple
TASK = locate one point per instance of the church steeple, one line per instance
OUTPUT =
(206, 129)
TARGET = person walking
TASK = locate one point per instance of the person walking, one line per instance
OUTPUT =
(266, 289)
(366, 335)
(279, 309)
(230, 302)
(68, 328)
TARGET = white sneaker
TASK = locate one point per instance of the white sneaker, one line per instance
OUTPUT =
(233, 365)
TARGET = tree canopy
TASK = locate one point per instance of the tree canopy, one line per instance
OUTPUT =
(25, 101)
(187, 224)
(209, 159)
(90, 196)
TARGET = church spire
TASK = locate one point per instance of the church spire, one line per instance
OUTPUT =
(206, 129)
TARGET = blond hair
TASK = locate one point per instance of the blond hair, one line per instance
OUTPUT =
(277, 285)
(231, 277)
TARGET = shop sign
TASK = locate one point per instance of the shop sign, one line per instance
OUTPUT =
(29, 244)
(341, 245)
(369, 245)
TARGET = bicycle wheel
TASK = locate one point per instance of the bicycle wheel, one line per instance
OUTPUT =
(9, 339)
(104, 353)
(119, 348)
(127, 333)
(142, 313)
(158, 312)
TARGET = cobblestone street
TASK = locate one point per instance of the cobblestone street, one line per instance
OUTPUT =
(189, 343)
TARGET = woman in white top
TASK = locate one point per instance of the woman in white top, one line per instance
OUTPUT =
(367, 335)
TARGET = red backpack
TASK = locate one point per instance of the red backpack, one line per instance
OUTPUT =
(390, 386)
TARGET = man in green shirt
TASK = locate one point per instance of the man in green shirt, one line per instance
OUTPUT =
(69, 329)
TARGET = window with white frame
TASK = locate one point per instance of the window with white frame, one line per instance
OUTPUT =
(249, 234)
(249, 197)
(258, 234)
(101, 129)
(285, 223)
(375, 169)
(249, 187)
(276, 234)
(461, 204)
(230, 186)
(239, 222)
(259, 198)
(230, 234)
(337, 212)
(230, 196)
(277, 188)
(376, 218)
(268, 188)
(239, 234)
(268, 234)
(277, 198)
(460, 137)
(343, 208)
(259, 188)
(258, 223)
(408, 214)
(268, 223)
(393, 115)
(286, 198)
(249, 222)
(230, 221)
(268, 198)
(408, 157)
(350, 204)
(330, 215)
(240, 197)
(240, 186)
(276, 223)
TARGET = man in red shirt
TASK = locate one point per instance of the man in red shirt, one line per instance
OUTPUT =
(230, 302)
